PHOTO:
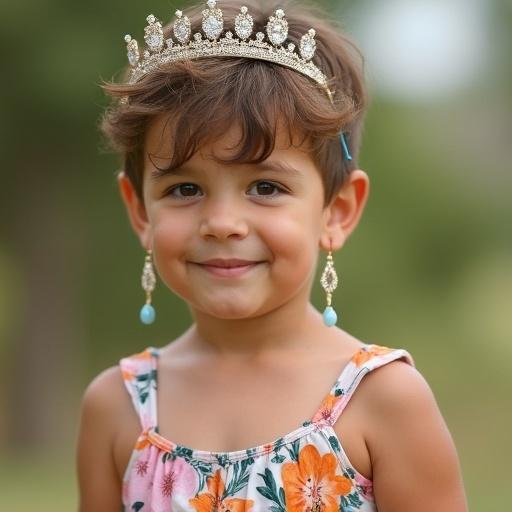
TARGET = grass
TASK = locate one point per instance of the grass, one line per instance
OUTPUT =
(45, 483)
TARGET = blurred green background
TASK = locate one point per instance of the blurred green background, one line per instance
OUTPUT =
(428, 269)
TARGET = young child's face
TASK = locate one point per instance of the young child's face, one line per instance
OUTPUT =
(268, 217)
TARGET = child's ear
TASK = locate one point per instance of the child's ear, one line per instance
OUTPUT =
(342, 215)
(135, 209)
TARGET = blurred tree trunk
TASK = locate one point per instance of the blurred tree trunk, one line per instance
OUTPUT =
(46, 236)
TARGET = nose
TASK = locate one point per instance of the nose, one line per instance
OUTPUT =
(223, 218)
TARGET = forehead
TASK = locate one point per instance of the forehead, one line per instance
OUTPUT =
(290, 146)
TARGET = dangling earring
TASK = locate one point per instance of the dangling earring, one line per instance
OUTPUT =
(329, 282)
(147, 313)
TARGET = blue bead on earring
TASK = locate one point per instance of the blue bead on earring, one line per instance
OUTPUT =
(147, 313)
(329, 282)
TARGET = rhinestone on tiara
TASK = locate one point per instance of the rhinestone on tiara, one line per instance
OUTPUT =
(132, 50)
(243, 24)
(209, 43)
(181, 28)
(277, 28)
(154, 35)
(213, 22)
(308, 45)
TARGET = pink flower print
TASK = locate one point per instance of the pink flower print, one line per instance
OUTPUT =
(174, 482)
(141, 467)
(168, 484)
(365, 486)
(140, 478)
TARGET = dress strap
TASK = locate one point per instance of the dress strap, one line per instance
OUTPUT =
(140, 378)
(367, 358)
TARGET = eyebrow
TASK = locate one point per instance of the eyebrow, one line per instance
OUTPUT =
(275, 166)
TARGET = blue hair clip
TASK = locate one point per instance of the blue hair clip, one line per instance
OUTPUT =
(344, 146)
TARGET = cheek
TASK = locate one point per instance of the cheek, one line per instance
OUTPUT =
(293, 241)
(170, 237)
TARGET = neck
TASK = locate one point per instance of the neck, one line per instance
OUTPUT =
(295, 326)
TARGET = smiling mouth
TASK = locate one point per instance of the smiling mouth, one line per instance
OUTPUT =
(231, 271)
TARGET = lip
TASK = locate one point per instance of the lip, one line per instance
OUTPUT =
(229, 271)
(227, 263)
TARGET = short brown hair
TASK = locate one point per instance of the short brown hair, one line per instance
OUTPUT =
(207, 95)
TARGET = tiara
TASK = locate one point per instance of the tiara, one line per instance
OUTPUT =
(210, 44)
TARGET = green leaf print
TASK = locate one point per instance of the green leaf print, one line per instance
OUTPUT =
(203, 470)
(355, 500)
(238, 481)
(147, 376)
(247, 462)
(270, 491)
(349, 473)
(334, 443)
(181, 451)
(294, 451)
(278, 458)
(137, 506)
(281, 495)
(351, 501)
(203, 467)
(222, 459)
(143, 384)
(279, 443)
(250, 457)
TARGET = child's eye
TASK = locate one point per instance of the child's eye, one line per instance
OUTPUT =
(265, 188)
(189, 190)
(185, 189)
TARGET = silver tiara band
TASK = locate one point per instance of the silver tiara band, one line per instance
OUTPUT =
(159, 52)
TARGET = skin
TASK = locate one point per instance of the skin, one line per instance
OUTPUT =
(259, 335)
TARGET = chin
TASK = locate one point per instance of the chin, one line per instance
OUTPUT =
(235, 313)
(229, 310)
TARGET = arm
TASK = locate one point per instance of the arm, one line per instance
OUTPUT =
(414, 460)
(99, 485)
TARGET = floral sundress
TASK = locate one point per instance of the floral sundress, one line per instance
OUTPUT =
(306, 470)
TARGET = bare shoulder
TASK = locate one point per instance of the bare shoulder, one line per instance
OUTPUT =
(396, 384)
(414, 460)
(101, 407)
(105, 389)
(105, 400)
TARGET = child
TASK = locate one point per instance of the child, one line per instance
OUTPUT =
(240, 164)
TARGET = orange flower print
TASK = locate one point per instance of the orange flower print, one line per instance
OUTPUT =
(311, 485)
(145, 354)
(326, 408)
(128, 376)
(213, 500)
(364, 355)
